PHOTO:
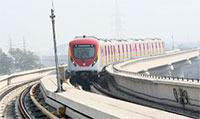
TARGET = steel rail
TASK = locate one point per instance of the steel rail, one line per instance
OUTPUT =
(21, 106)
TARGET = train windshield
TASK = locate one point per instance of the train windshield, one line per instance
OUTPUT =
(84, 51)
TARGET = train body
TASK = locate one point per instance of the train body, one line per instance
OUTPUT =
(89, 55)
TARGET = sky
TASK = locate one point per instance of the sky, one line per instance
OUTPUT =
(29, 20)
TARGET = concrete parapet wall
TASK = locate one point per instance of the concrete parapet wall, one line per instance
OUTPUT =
(175, 91)
(161, 91)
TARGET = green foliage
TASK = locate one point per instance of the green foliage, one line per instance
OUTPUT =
(6, 63)
(24, 60)
(18, 60)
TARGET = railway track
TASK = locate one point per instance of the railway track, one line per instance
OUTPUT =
(26, 109)
(21, 105)
(8, 94)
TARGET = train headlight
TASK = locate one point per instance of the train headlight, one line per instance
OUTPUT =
(73, 62)
(95, 61)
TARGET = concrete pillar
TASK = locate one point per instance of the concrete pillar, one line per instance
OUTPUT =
(147, 73)
(162, 71)
(178, 72)
(166, 73)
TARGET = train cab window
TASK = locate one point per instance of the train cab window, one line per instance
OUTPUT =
(84, 51)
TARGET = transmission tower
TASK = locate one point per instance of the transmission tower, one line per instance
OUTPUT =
(10, 42)
(24, 44)
(118, 26)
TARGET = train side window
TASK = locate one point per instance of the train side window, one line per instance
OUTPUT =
(123, 48)
(163, 44)
(147, 44)
(126, 48)
(156, 45)
(119, 49)
(159, 45)
(144, 47)
(108, 50)
(139, 47)
(123, 51)
(133, 47)
(105, 50)
(114, 50)
(130, 48)
(152, 47)
(102, 53)
(110, 47)
(136, 49)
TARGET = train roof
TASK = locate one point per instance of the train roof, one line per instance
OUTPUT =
(128, 40)
(118, 40)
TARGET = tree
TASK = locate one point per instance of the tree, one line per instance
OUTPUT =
(6, 63)
(24, 60)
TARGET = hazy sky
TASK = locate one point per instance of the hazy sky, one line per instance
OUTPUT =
(139, 19)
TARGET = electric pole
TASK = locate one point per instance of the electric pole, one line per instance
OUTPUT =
(118, 27)
(52, 16)
(172, 42)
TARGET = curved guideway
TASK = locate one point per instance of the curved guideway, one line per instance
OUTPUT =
(89, 105)
(178, 92)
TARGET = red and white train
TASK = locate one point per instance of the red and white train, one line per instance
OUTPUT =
(89, 55)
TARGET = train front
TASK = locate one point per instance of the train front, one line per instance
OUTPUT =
(83, 58)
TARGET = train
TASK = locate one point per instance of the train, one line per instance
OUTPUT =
(88, 55)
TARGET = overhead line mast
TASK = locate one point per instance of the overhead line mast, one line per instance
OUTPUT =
(52, 16)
